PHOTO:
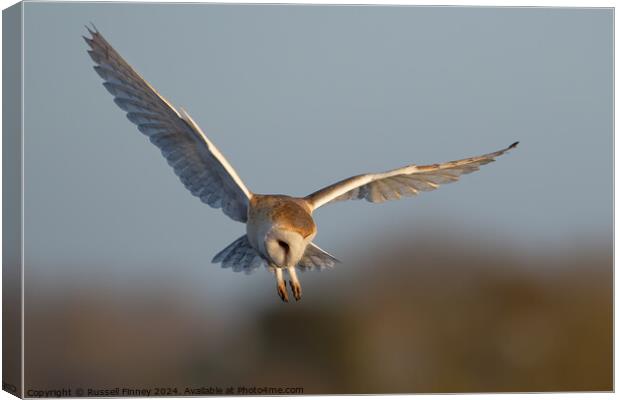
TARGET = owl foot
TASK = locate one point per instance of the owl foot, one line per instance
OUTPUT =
(282, 292)
(281, 284)
(296, 288)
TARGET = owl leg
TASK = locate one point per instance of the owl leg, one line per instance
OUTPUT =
(282, 292)
(294, 282)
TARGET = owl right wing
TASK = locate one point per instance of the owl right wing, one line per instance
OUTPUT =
(406, 181)
(196, 161)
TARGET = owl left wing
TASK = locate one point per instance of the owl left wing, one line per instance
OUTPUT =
(406, 181)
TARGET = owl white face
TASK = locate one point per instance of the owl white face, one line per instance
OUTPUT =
(285, 248)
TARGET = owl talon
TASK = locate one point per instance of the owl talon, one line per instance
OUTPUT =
(281, 285)
(282, 292)
(296, 288)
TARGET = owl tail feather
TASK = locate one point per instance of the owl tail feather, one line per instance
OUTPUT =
(239, 255)
(316, 258)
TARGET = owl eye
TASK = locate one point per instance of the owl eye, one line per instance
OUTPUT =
(284, 246)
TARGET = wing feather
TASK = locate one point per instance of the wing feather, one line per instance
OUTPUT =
(200, 166)
(406, 181)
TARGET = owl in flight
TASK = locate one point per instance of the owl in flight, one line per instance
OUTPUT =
(279, 228)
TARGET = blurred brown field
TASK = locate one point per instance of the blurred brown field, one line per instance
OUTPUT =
(432, 314)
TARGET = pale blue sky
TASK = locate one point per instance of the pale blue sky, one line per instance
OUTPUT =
(298, 97)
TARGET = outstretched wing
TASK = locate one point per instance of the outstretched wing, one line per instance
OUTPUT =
(406, 181)
(196, 161)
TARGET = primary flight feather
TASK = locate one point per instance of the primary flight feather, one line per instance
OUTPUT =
(279, 229)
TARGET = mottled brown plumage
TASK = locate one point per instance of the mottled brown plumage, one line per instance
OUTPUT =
(287, 212)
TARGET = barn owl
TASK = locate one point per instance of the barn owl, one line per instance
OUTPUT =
(279, 229)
